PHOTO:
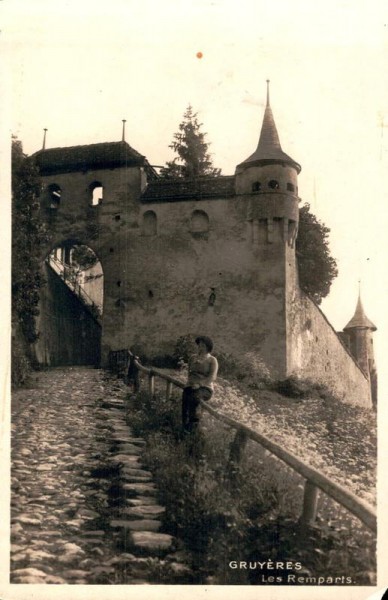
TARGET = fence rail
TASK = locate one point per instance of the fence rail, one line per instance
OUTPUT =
(315, 481)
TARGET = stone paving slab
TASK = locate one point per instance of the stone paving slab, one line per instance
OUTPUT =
(133, 489)
(141, 501)
(144, 511)
(136, 472)
(135, 478)
(137, 525)
(129, 448)
(149, 542)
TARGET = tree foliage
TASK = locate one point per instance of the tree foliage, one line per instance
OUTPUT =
(317, 268)
(28, 234)
(83, 258)
(193, 159)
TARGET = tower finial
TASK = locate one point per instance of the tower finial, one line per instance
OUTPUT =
(123, 137)
(268, 81)
(44, 139)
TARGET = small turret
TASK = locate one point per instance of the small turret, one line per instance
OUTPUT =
(359, 339)
(269, 177)
(269, 149)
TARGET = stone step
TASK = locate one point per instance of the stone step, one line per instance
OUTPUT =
(112, 404)
(141, 501)
(130, 460)
(135, 472)
(148, 542)
(131, 450)
(121, 429)
(154, 510)
(125, 448)
(137, 525)
(133, 489)
(137, 441)
(135, 479)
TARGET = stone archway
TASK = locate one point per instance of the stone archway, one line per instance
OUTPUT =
(71, 306)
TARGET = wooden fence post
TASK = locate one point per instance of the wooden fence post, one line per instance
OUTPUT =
(151, 384)
(168, 389)
(237, 446)
(310, 503)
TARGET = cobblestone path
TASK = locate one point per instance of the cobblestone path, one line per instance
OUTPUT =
(83, 510)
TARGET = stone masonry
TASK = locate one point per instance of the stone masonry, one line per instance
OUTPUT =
(214, 256)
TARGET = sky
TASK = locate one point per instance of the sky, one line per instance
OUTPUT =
(78, 68)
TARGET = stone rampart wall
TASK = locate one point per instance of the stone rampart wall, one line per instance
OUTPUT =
(316, 352)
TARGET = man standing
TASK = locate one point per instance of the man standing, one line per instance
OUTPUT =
(203, 370)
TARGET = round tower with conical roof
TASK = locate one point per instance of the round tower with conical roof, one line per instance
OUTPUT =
(359, 338)
(269, 177)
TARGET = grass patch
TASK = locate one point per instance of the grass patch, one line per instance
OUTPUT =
(226, 515)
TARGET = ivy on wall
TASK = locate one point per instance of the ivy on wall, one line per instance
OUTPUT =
(29, 233)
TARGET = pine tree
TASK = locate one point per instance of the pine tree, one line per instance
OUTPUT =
(317, 268)
(193, 159)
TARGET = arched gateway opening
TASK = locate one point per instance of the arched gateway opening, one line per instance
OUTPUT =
(71, 307)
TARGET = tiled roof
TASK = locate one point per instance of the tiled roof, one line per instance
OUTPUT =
(360, 319)
(171, 190)
(82, 158)
(269, 147)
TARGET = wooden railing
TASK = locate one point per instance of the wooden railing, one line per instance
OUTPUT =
(314, 480)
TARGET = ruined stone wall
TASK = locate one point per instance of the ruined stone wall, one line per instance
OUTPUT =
(315, 352)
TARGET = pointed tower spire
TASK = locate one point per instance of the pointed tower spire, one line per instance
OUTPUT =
(359, 339)
(359, 318)
(269, 147)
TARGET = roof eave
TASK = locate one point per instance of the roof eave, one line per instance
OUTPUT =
(253, 161)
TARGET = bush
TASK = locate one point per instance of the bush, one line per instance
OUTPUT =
(164, 361)
(249, 369)
(293, 387)
(185, 348)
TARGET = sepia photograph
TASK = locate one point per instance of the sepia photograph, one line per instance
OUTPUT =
(194, 245)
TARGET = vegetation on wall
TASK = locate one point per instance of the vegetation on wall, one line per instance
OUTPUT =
(193, 158)
(28, 234)
(317, 268)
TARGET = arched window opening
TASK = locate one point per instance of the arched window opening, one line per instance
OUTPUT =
(150, 223)
(256, 186)
(54, 195)
(273, 184)
(97, 193)
(199, 222)
(290, 187)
